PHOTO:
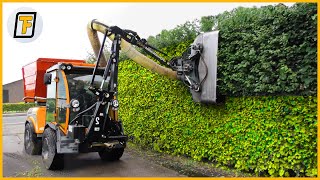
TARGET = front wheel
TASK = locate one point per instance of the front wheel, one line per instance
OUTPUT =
(51, 159)
(32, 144)
(111, 154)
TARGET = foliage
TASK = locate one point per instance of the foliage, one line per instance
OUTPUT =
(16, 107)
(269, 50)
(271, 136)
(207, 23)
(262, 51)
(91, 58)
(174, 37)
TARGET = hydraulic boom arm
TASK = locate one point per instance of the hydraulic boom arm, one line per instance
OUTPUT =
(196, 68)
(94, 26)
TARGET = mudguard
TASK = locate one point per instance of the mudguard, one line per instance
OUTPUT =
(36, 116)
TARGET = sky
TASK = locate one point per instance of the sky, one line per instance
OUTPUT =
(64, 32)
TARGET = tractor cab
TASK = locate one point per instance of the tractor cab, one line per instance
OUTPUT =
(68, 93)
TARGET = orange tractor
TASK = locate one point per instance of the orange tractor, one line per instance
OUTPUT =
(69, 117)
(77, 106)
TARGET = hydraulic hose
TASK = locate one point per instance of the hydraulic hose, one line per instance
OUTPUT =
(95, 26)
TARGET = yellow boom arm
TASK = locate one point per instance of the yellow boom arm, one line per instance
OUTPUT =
(97, 26)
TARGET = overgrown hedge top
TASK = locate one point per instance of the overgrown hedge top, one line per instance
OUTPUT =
(270, 50)
(262, 51)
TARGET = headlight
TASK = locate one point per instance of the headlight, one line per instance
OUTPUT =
(63, 67)
(69, 67)
(75, 103)
(115, 103)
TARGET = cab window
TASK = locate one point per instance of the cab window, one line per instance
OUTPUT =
(61, 99)
(51, 99)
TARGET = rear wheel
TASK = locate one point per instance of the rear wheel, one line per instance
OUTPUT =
(32, 144)
(111, 154)
(51, 159)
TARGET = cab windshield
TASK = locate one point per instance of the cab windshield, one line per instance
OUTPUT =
(78, 90)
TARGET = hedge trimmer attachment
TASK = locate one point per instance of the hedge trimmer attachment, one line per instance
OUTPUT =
(196, 68)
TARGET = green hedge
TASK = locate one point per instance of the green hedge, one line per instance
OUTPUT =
(269, 50)
(272, 135)
(16, 107)
(262, 51)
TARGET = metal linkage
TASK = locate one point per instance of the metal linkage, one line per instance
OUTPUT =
(105, 94)
(187, 66)
(98, 59)
(133, 38)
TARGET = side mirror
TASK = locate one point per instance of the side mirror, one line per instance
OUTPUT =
(47, 78)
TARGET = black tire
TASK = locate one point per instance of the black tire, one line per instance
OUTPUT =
(32, 144)
(51, 159)
(111, 154)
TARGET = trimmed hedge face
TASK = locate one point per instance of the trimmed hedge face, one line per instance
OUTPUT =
(16, 107)
(274, 136)
(262, 51)
(270, 50)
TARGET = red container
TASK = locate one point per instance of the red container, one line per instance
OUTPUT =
(33, 74)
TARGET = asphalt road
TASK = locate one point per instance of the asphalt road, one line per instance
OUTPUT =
(17, 163)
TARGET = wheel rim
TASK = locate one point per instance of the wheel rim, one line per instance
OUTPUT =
(45, 151)
(47, 160)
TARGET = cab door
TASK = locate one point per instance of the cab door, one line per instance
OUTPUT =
(51, 99)
(58, 100)
(63, 101)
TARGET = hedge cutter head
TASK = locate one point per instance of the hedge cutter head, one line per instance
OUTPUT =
(196, 68)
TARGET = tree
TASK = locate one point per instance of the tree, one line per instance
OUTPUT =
(181, 33)
(206, 23)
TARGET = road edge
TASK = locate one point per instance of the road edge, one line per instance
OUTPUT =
(13, 114)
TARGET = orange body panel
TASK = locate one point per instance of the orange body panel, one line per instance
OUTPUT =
(64, 127)
(33, 77)
(37, 116)
(33, 74)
